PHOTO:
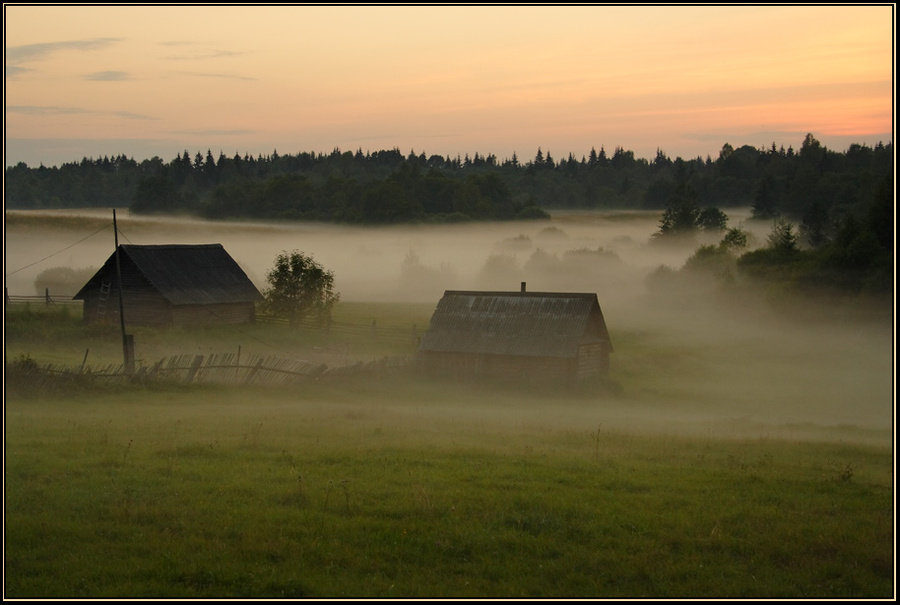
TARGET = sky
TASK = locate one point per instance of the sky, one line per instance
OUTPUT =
(144, 81)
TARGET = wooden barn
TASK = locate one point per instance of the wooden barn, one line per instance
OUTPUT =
(172, 284)
(520, 336)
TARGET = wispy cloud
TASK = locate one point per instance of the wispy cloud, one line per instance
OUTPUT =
(740, 136)
(35, 52)
(204, 54)
(212, 132)
(127, 114)
(13, 71)
(56, 152)
(108, 76)
(44, 110)
(218, 75)
(55, 110)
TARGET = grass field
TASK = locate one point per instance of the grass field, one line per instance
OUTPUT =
(660, 484)
(397, 490)
(360, 331)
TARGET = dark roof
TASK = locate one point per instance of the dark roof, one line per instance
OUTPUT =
(184, 273)
(541, 324)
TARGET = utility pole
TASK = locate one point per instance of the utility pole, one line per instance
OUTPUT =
(127, 339)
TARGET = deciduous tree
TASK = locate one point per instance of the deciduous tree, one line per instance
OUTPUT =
(298, 287)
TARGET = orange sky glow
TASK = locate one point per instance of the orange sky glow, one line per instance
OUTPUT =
(88, 81)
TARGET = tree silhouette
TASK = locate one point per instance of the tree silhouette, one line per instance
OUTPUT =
(299, 286)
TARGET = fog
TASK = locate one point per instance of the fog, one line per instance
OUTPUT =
(377, 264)
(742, 367)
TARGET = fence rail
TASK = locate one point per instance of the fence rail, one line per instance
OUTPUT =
(45, 299)
(226, 368)
(390, 334)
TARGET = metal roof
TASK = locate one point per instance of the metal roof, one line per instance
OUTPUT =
(541, 324)
(184, 273)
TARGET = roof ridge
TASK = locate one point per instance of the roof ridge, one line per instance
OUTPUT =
(516, 293)
(170, 245)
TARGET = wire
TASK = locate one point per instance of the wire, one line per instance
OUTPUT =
(58, 252)
(122, 233)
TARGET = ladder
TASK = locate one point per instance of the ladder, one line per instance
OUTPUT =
(105, 288)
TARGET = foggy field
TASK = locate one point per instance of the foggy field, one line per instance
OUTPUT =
(682, 361)
(736, 449)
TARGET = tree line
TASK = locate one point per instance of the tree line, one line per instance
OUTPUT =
(850, 254)
(813, 184)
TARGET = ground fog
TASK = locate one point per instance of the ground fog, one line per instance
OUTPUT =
(682, 363)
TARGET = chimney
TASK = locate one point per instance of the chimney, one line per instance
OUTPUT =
(523, 286)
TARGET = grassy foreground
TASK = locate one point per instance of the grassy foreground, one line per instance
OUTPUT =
(401, 488)
(393, 491)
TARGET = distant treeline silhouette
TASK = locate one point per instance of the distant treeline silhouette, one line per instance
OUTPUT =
(386, 187)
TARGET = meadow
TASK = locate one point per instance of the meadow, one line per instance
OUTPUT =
(726, 456)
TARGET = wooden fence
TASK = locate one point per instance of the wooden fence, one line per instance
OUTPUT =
(227, 368)
(47, 299)
(391, 334)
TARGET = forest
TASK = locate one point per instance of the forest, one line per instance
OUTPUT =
(388, 187)
(832, 211)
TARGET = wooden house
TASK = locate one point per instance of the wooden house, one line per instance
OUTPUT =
(173, 284)
(519, 336)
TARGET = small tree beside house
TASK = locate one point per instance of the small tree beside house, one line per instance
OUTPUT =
(299, 287)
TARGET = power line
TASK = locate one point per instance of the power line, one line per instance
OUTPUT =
(58, 252)
(125, 237)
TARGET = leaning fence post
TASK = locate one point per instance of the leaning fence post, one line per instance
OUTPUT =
(47, 296)
(253, 371)
(194, 367)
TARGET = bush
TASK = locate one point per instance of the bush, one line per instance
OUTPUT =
(62, 281)
(531, 213)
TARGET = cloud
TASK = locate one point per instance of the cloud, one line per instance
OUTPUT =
(740, 136)
(13, 71)
(56, 152)
(43, 110)
(51, 110)
(108, 76)
(208, 54)
(212, 132)
(217, 75)
(36, 52)
(127, 114)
